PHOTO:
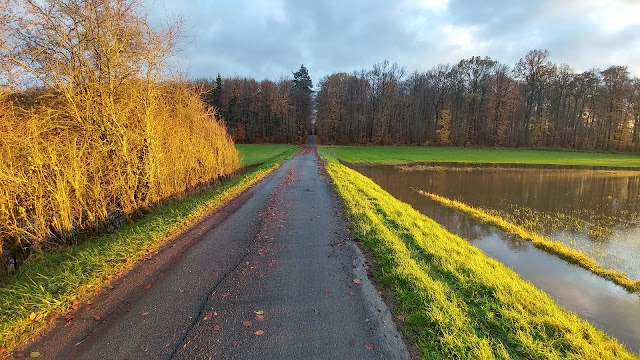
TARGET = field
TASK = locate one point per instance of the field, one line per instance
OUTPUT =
(452, 300)
(408, 154)
(252, 154)
(49, 285)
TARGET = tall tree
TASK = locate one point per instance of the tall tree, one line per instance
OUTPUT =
(302, 96)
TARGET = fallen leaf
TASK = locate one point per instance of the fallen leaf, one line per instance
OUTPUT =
(34, 354)
(145, 313)
(247, 323)
(261, 275)
(327, 291)
(400, 317)
(353, 342)
(350, 293)
(208, 316)
(2, 349)
(147, 287)
(369, 346)
(259, 332)
(75, 304)
(97, 318)
(379, 293)
(216, 327)
(357, 281)
(259, 312)
(259, 318)
(90, 302)
(68, 318)
(234, 343)
(32, 316)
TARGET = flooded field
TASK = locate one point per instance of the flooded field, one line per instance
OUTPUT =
(595, 211)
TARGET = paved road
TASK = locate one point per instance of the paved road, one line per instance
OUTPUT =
(269, 276)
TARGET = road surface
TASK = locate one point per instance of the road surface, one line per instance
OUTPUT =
(272, 275)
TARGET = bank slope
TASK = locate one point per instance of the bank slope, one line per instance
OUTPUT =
(457, 302)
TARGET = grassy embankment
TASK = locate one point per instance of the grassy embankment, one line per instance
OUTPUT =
(408, 154)
(456, 301)
(47, 286)
(555, 247)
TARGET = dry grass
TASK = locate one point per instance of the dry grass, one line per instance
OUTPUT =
(69, 166)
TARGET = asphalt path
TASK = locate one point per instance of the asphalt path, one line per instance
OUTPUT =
(272, 275)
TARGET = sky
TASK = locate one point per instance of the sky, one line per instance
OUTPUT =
(269, 39)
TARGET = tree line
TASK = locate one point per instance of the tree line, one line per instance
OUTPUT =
(266, 111)
(476, 102)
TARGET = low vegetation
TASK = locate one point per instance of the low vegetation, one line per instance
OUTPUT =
(454, 301)
(47, 286)
(252, 154)
(408, 154)
(572, 255)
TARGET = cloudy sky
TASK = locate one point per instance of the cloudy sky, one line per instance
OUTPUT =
(271, 38)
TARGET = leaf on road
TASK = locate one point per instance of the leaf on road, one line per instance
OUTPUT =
(327, 291)
(259, 312)
(147, 287)
(97, 318)
(208, 316)
(247, 323)
(369, 346)
(259, 332)
(35, 354)
(357, 281)
(68, 318)
(353, 342)
(234, 343)
(216, 327)
(145, 313)
(350, 293)
(259, 318)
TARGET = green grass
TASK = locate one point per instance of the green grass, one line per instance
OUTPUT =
(555, 247)
(407, 154)
(252, 154)
(47, 286)
(457, 302)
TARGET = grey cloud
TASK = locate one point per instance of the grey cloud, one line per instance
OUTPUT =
(267, 39)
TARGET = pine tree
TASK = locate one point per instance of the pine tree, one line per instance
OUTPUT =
(301, 93)
(216, 93)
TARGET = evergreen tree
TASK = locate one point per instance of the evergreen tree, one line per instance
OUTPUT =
(216, 93)
(301, 94)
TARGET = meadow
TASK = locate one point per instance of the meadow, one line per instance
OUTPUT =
(415, 154)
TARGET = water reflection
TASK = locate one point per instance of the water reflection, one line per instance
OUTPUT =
(595, 211)
(603, 303)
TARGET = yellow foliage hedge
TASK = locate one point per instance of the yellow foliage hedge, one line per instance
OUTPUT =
(83, 158)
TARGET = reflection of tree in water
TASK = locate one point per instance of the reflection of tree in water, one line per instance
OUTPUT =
(514, 243)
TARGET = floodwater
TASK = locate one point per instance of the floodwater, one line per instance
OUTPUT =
(601, 302)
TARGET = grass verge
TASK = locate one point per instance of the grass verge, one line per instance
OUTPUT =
(48, 286)
(557, 248)
(407, 154)
(252, 154)
(457, 302)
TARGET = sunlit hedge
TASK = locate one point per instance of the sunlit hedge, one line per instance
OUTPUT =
(74, 162)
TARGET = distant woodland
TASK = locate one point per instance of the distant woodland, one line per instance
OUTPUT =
(476, 102)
